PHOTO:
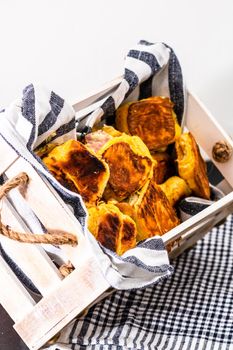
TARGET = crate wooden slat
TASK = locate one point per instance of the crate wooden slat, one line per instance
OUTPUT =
(32, 259)
(97, 94)
(71, 297)
(64, 299)
(197, 231)
(207, 132)
(37, 196)
(7, 155)
(215, 213)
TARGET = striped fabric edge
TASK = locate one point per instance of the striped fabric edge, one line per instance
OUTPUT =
(165, 343)
(144, 65)
(107, 259)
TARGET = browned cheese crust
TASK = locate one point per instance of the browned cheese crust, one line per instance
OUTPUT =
(108, 230)
(111, 228)
(128, 171)
(152, 119)
(76, 168)
(116, 234)
(164, 168)
(155, 215)
(191, 166)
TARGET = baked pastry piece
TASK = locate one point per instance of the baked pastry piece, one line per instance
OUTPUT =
(126, 209)
(152, 119)
(175, 189)
(111, 130)
(78, 169)
(154, 214)
(164, 167)
(97, 139)
(112, 228)
(191, 166)
(130, 165)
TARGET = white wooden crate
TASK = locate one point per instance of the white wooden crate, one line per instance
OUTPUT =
(65, 298)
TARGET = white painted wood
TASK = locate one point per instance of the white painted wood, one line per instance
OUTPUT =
(184, 227)
(188, 243)
(54, 311)
(33, 224)
(199, 231)
(13, 296)
(207, 132)
(86, 283)
(225, 187)
(7, 155)
(211, 220)
(83, 113)
(32, 259)
(54, 214)
(86, 101)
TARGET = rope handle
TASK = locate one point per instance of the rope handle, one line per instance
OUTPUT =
(51, 237)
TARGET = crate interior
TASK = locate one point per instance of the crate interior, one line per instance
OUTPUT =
(62, 298)
(207, 132)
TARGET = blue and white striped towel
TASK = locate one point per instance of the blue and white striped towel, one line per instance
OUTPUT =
(150, 69)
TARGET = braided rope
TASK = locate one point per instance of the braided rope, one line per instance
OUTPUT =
(52, 237)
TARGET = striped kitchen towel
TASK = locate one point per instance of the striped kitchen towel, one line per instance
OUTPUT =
(150, 69)
(193, 310)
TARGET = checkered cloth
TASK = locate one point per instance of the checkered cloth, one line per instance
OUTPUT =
(193, 310)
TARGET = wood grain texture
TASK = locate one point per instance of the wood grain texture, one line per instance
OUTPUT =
(7, 155)
(207, 132)
(32, 259)
(51, 212)
(54, 311)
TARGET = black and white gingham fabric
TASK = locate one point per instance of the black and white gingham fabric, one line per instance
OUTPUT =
(193, 310)
(150, 69)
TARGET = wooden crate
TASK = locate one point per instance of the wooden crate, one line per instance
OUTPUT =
(65, 298)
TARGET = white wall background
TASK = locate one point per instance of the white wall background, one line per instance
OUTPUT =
(75, 46)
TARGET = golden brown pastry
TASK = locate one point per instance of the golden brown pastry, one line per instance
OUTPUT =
(175, 189)
(191, 166)
(152, 119)
(130, 165)
(111, 131)
(164, 167)
(154, 214)
(78, 169)
(112, 228)
(126, 209)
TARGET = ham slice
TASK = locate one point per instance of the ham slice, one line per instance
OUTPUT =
(95, 140)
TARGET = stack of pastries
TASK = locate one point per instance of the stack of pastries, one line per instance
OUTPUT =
(132, 175)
